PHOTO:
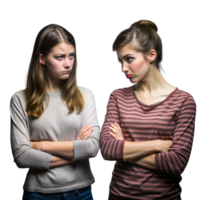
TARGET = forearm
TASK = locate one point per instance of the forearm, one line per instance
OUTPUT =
(136, 150)
(64, 149)
(145, 162)
(58, 161)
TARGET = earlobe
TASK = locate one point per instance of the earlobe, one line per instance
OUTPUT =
(42, 62)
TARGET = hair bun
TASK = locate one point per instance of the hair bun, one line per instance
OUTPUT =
(149, 23)
(154, 27)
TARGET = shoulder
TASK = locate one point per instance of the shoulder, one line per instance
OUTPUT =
(84, 90)
(185, 100)
(183, 95)
(86, 93)
(19, 97)
(123, 92)
(19, 94)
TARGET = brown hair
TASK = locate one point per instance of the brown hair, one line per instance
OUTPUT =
(143, 35)
(36, 88)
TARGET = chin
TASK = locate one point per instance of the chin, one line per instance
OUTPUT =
(133, 80)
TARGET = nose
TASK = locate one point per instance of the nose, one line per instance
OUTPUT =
(124, 68)
(67, 63)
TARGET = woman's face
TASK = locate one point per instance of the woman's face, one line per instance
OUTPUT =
(59, 62)
(134, 65)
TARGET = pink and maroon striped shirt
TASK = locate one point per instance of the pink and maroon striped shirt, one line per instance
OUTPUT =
(171, 119)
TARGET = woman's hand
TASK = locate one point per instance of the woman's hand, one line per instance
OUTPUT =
(116, 131)
(84, 133)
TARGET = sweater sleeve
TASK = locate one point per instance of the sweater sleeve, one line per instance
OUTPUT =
(175, 160)
(24, 155)
(88, 148)
(111, 148)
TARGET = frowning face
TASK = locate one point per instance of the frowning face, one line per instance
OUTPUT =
(59, 62)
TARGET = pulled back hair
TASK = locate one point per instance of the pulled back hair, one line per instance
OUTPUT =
(36, 87)
(143, 37)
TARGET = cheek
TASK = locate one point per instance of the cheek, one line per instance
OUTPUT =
(57, 65)
(137, 65)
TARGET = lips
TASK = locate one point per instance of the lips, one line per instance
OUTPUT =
(128, 75)
(66, 72)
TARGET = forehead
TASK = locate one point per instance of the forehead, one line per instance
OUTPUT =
(63, 48)
(125, 50)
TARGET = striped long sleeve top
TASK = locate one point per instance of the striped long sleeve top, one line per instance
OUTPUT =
(171, 119)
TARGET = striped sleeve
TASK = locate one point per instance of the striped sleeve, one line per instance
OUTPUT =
(111, 148)
(175, 160)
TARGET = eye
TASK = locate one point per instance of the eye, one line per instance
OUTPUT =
(120, 61)
(62, 56)
(128, 58)
(58, 57)
(72, 55)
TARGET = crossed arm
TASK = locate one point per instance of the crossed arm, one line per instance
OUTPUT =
(139, 153)
(146, 162)
(147, 153)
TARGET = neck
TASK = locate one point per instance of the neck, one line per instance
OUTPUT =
(152, 82)
(53, 84)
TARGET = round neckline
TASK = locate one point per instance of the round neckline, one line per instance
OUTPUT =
(155, 104)
(54, 93)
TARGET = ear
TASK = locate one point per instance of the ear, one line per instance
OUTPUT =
(42, 59)
(152, 55)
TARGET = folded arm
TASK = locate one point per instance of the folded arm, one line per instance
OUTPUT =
(59, 161)
(121, 150)
(173, 162)
(79, 149)
(176, 158)
(146, 162)
(63, 149)
(141, 153)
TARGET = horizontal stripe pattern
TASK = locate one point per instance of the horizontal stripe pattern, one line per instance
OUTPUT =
(172, 119)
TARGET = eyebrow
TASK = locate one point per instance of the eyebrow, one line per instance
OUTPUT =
(126, 56)
(64, 53)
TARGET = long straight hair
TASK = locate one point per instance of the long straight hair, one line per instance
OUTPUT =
(36, 88)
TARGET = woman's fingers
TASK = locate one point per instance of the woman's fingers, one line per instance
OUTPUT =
(115, 131)
(85, 129)
(85, 135)
(113, 128)
(87, 132)
(111, 133)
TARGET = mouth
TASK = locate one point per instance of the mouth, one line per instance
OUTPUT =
(128, 76)
(66, 72)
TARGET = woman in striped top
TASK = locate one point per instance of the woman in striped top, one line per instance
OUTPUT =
(149, 127)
